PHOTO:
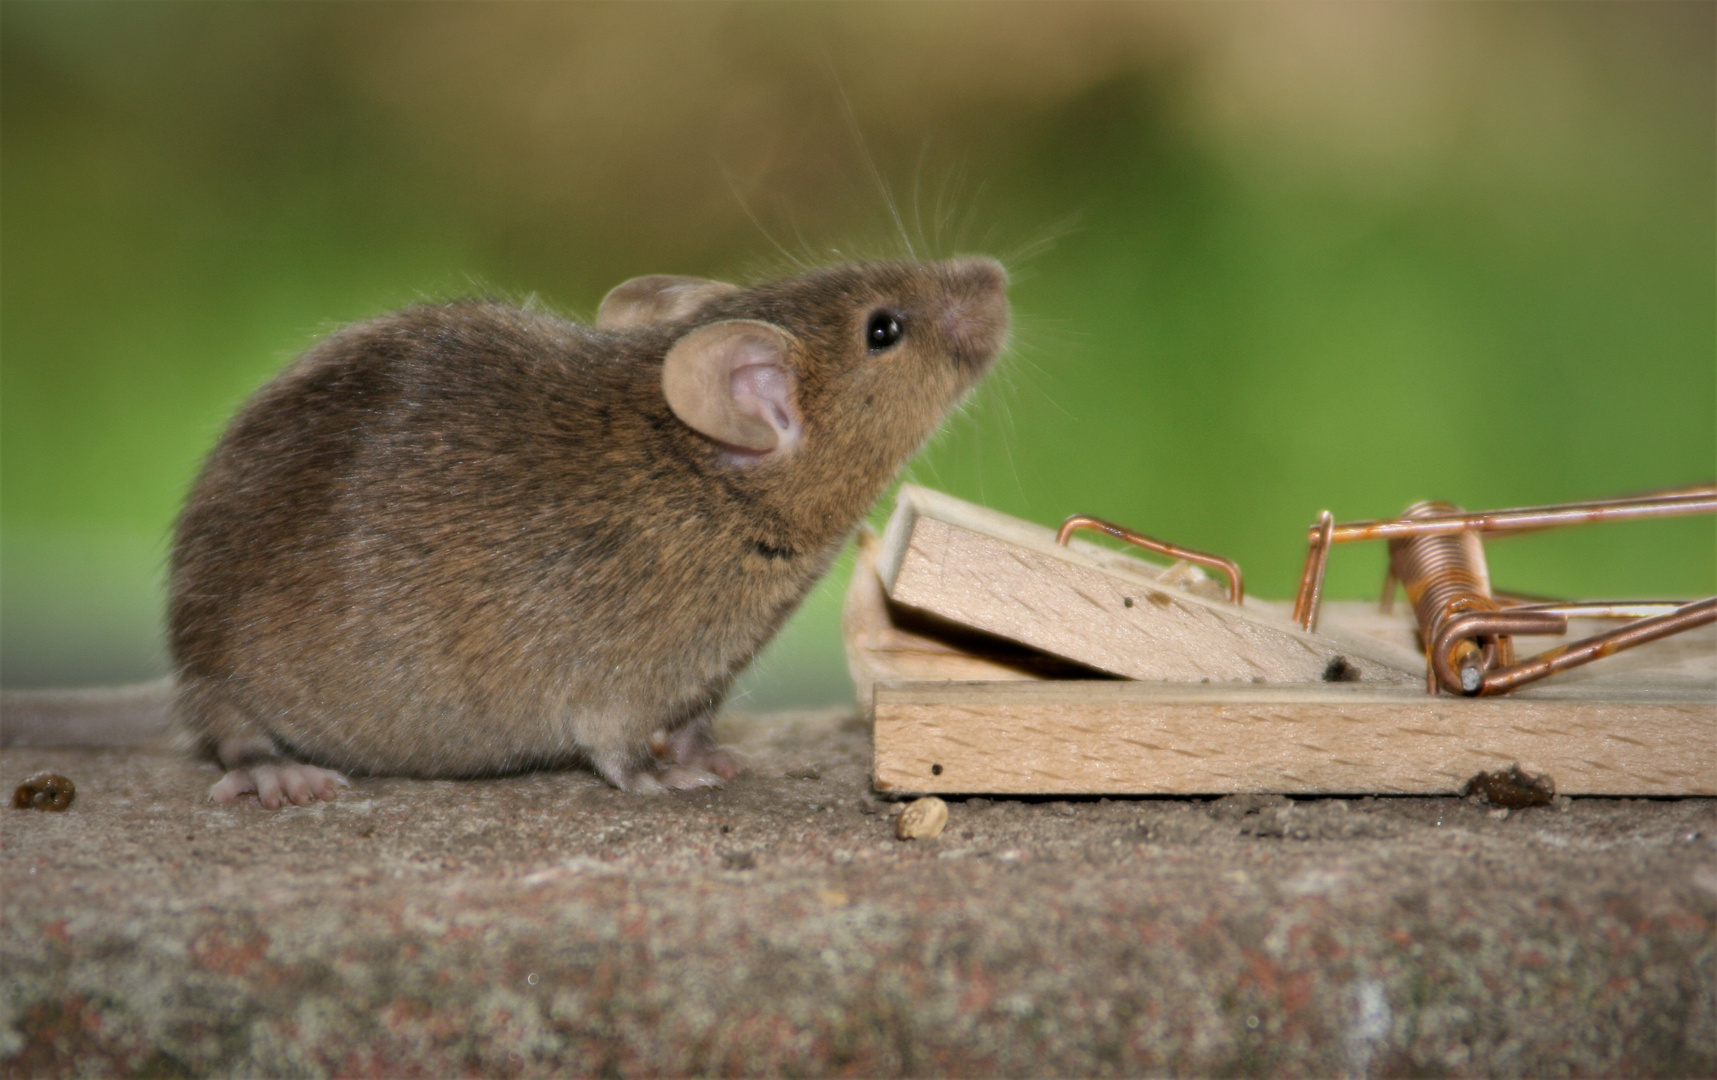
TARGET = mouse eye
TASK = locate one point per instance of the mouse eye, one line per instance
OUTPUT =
(882, 331)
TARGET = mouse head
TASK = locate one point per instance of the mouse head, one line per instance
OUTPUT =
(819, 388)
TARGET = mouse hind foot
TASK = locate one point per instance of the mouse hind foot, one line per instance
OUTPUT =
(251, 757)
(278, 781)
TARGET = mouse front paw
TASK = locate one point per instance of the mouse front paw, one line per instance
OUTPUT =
(277, 783)
(653, 781)
(693, 749)
(654, 776)
(684, 778)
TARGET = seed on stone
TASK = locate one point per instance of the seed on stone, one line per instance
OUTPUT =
(923, 819)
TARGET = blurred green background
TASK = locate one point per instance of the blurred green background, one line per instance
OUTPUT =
(1268, 258)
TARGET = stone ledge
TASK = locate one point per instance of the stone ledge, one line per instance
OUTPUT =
(546, 924)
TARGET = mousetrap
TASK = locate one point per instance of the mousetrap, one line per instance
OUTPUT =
(1000, 656)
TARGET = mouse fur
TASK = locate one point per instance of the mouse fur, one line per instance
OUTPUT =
(469, 539)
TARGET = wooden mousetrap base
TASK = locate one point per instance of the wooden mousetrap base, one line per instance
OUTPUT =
(963, 711)
(1135, 738)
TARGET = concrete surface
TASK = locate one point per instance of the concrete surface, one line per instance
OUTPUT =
(547, 924)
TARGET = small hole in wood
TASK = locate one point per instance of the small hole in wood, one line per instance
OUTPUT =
(1126, 601)
(935, 770)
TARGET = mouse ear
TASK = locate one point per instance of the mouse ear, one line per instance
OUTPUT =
(656, 298)
(733, 382)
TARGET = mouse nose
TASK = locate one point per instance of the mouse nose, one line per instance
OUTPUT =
(974, 319)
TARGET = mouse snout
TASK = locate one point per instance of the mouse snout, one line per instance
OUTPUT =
(974, 318)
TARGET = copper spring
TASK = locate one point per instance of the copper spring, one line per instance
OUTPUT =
(1671, 502)
(1466, 628)
(1445, 576)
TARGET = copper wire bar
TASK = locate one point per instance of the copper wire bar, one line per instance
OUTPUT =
(1312, 577)
(1503, 679)
(1700, 500)
(1670, 502)
(1236, 588)
(1507, 597)
(1603, 609)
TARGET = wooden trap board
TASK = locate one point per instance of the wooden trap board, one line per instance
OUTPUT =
(979, 681)
(989, 572)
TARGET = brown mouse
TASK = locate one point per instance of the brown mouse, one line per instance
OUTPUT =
(470, 539)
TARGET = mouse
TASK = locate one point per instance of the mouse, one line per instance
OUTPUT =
(473, 538)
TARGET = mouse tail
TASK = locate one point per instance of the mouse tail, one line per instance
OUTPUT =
(100, 716)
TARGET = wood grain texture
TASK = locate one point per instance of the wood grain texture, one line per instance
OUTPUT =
(1008, 577)
(879, 649)
(1139, 738)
